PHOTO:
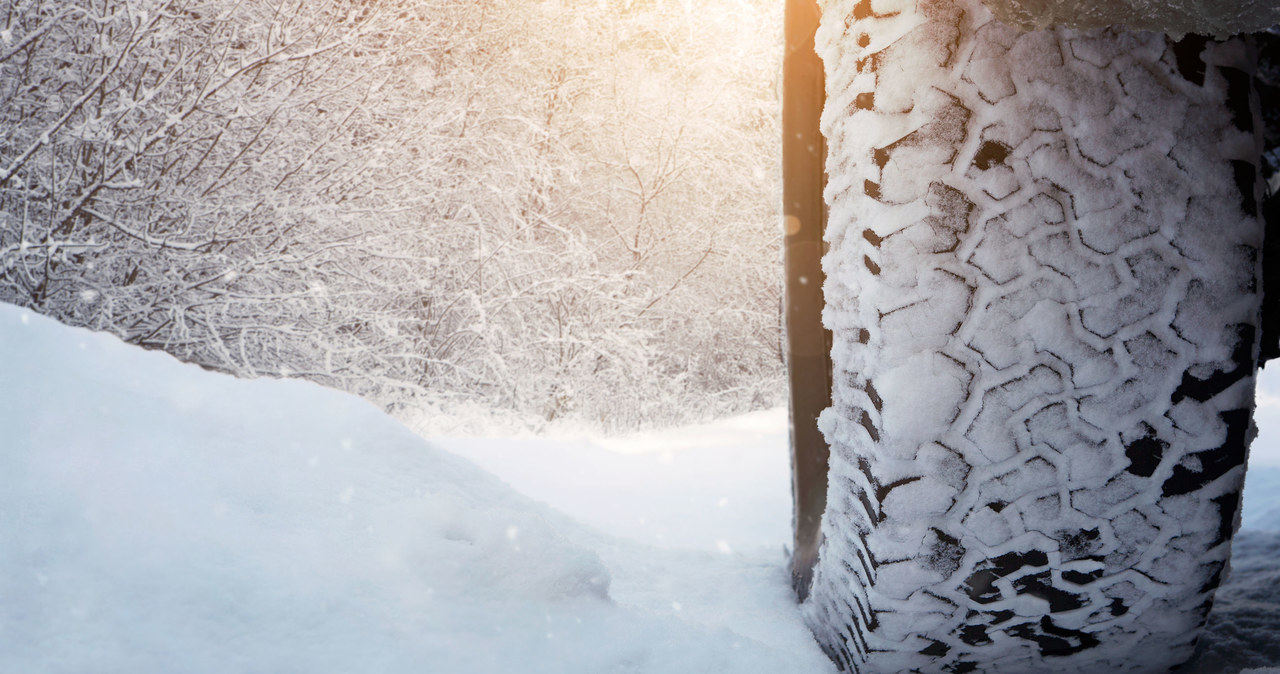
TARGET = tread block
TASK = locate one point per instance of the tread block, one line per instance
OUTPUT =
(1039, 241)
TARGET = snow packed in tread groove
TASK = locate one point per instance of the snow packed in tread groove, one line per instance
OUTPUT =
(1041, 295)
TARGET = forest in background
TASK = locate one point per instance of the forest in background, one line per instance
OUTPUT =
(562, 208)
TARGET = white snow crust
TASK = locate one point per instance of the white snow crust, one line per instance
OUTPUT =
(159, 518)
(1219, 18)
(1243, 628)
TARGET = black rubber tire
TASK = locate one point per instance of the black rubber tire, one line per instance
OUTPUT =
(1043, 288)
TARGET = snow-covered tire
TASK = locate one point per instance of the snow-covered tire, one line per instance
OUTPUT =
(1043, 286)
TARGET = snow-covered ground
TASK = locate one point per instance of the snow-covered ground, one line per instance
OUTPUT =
(159, 518)
(155, 517)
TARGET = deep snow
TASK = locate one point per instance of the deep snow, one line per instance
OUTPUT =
(160, 518)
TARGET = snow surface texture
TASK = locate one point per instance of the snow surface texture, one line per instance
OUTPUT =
(1220, 18)
(160, 518)
(654, 488)
(158, 536)
(1245, 622)
(1039, 420)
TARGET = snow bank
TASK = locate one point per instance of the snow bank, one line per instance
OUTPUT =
(1245, 621)
(1212, 17)
(159, 518)
(663, 488)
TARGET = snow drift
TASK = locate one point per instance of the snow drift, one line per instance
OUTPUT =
(160, 518)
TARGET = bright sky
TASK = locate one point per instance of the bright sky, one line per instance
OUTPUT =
(1266, 448)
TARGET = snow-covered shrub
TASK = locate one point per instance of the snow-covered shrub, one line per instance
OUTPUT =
(502, 201)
